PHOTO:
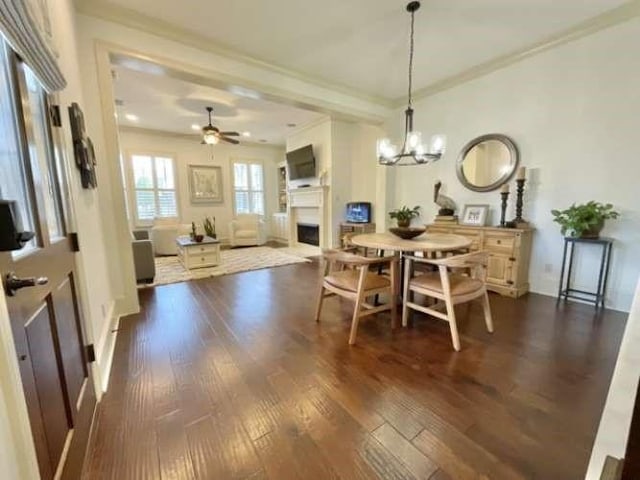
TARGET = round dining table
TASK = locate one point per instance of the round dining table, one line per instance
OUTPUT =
(427, 242)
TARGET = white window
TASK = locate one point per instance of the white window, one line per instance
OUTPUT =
(248, 187)
(153, 187)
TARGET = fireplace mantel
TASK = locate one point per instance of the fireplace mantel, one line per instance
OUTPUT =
(308, 205)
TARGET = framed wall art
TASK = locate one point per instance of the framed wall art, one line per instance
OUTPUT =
(475, 215)
(205, 184)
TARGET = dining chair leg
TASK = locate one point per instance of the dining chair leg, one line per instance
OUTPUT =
(453, 326)
(319, 304)
(405, 294)
(358, 306)
(487, 312)
(355, 320)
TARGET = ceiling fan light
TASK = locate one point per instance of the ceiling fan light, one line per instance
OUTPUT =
(210, 138)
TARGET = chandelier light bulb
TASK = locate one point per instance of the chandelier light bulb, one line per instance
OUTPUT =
(414, 141)
(438, 144)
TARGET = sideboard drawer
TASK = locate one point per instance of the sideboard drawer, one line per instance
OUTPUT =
(499, 243)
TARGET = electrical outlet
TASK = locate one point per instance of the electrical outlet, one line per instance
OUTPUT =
(548, 268)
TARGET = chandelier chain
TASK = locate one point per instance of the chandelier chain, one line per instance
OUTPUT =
(411, 58)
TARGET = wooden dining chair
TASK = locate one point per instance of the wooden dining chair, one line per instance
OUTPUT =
(348, 276)
(458, 279)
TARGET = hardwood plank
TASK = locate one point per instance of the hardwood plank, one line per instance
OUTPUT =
(230, 377)
(419, 465)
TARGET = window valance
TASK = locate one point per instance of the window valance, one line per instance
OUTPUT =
(25, 25)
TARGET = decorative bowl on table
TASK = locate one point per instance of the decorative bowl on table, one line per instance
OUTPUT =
(198, 238)
(407, 233)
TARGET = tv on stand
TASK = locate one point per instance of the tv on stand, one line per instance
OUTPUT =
(358, 212)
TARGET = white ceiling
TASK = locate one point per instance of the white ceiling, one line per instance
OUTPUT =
(168, 104)
(363, 43)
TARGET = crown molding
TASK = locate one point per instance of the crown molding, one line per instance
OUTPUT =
(610, 18)
(192, 137)
(133, 19)
(306, 126)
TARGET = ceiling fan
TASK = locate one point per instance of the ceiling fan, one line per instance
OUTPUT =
(212, 135)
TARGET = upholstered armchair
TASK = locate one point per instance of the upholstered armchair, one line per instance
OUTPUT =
(247, 229)
(164, 233)
(143, 257)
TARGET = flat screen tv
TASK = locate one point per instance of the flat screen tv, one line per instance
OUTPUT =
(359, 212)
(301, 163)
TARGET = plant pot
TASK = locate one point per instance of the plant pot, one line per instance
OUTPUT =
(403, 223)
(593, 232)
(199, 238)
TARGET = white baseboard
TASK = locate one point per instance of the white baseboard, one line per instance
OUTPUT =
(105, 347)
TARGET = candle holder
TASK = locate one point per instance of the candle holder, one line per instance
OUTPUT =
(503, 208)
(518, 221)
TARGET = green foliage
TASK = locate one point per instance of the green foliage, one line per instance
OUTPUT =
(193, 230)
(405, 214)
(209, 227)
(580, 219)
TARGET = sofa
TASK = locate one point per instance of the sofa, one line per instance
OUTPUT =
(164, 233)
(247, 229)
(143, 257)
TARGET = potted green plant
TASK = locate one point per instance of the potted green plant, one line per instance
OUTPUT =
(209, 227)
(404, 215)
(584, 221)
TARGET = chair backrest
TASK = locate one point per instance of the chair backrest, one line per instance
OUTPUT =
(475, 263)
(249, 219)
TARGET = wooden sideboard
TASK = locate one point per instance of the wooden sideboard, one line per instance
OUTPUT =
(509, 253)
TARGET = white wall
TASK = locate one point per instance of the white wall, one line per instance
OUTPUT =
(188, 151)
(93, 271)
(573, 112)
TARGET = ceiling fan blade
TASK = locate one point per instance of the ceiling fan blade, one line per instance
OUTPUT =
(230, 140)
(230, 134)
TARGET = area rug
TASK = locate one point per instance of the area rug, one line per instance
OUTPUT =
(302, 251)
(170, 270)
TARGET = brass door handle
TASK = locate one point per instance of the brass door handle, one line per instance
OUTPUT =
(12, 283)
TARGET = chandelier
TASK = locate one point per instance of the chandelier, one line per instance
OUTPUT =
(413, 151)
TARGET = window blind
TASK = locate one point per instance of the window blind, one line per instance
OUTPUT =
(24, 26)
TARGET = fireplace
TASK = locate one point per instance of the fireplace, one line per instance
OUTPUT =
(309, 233)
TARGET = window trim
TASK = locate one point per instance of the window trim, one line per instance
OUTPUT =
(248, 161)
(130, 189)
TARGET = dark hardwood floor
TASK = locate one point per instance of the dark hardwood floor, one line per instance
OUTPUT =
(230, 378)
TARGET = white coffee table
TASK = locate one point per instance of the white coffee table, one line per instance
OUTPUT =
(194, 254)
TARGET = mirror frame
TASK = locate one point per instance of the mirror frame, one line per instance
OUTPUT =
(513, 151)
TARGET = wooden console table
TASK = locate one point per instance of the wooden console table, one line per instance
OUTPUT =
(347, 228)
(509, 253)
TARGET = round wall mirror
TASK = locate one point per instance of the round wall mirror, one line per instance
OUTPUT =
(487, 162)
